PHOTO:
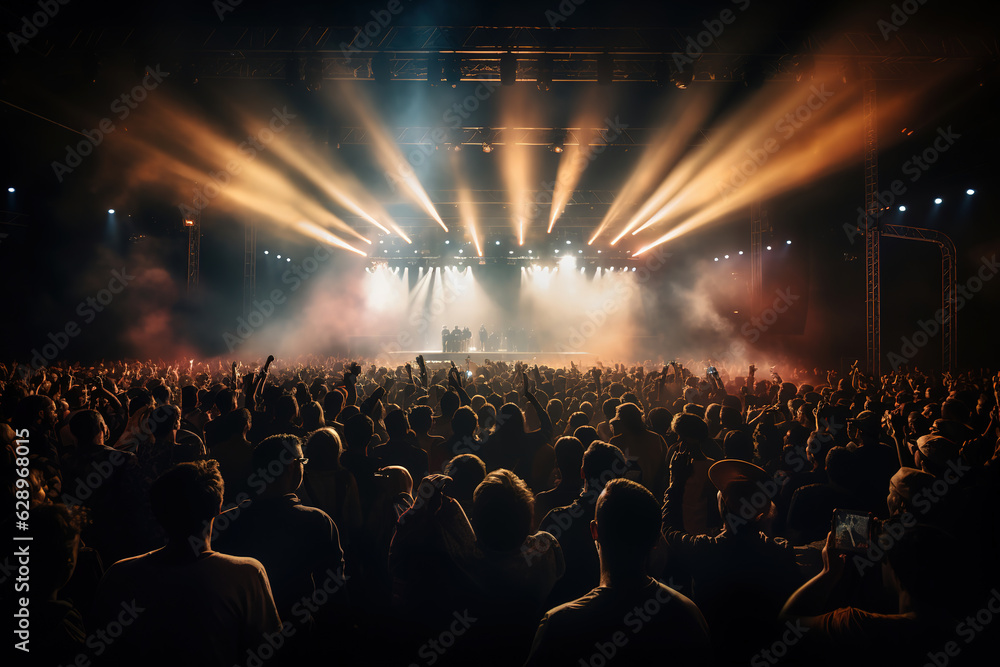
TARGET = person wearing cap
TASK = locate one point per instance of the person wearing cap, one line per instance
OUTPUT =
(740, 577)
(648, 449)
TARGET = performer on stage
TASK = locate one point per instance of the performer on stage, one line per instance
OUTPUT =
(483, 337)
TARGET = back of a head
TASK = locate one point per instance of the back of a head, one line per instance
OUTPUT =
(730, 418)
(323, 449)
(629, 416)
(841, 467)
(586, 435)
(286, 409)
(628, 523)
(502, 511)
(464, 422)
(358, 431)
(738, 445)
(449, 403)
(163, 420)
(333, 403)
(225, 400)
(467, 471)
(85, 425)
(312, 415)
(396, 424)
(689, 428)
(189, 398)
(659, 420)
(602, 463)
(955, 410)
(609, 407)
(510, 420)
(421, 418)
(576, 420)
(275, 454)
(186, 497)
(569, 456)
(161, 393)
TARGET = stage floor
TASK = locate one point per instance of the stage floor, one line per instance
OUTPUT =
(436, 357)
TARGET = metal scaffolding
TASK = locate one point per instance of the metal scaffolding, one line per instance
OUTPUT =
(193, 225)
(249, 266)
(873, 296)
(949, 281)
(756, 258)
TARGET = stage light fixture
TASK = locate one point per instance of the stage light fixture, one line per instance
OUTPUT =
(717, 259)
(460, 251)
(529, 252)
(12, 190)
(266, 252)
(508, 69)
(487, 147)
(498, 243)
(741, 252)
(768, 247)
(725, 257)
(510, 252)
(970, 191)
(789, 242)
(557, 251)
(902, 208)
(633, 269)
(288, 259)
(111, 211)
(279, 256)
(569, 242)
(580, 252)
(447, 242)
(938, 200)
(556, 148)
(605, 69)
(189, 222)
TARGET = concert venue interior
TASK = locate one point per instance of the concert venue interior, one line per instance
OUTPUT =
(586, 203)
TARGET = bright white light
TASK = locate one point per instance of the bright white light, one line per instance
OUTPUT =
(768, 247)
(111, 210)
(569, 243)
(937, 200)
(498, 243)
(902, 208)
(717, 259)
(598, 252)
(279, 256)
(567, 263)
(447, 242)
(970, 191)
(633, 268)
(789, 242)
(288, 259)
(460, 251)
(529, 252)
(265, 252)
(381, 241)
(741, 252)
(579, 252)
(725, 257)
(12, 189)
(557, 251)
(510, 252)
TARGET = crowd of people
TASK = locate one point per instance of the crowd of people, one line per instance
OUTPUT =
(500, 514)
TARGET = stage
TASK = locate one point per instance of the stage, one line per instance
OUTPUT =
(435, 358)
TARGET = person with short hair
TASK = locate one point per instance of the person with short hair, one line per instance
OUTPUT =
(629, 618)
(185, 603)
